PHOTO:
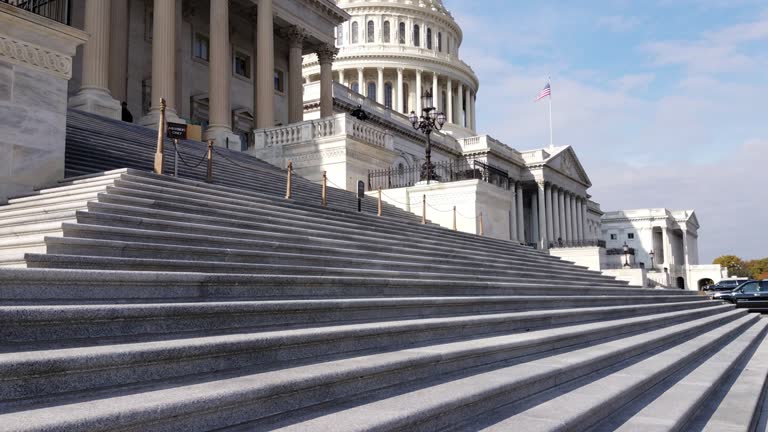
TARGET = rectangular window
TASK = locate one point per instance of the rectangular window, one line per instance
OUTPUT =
(614, 236)
(201, 47)
(631, 236)
(242, 64)
(279, 81)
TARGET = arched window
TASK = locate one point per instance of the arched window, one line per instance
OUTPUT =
(371, 35)
(386, 32)
(429, 38)
(406, 96)
(440, 41)
(371, 91)
(388, 95)
(340, 35)
(401, 34)
(356, 87)
(416, 35)
(355, 31)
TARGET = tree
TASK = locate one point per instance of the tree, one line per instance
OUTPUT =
(758, 269)
(734, 264)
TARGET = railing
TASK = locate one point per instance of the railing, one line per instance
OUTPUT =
(561, 244)
(446, 171)
(340, 125)
(57, 10)
(658, 278)
(487, 143)
(620, 251)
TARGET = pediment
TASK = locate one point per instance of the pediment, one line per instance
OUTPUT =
(567, 163)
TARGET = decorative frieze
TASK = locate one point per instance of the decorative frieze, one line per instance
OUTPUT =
(28, 54)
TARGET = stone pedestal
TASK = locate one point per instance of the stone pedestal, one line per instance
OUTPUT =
(35, 65)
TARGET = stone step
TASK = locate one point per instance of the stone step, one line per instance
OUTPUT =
(77, 201)
(8, 226)
(86, 178)
(67, 286)
(579, 405)
(233, 399)
(440, 402)
(275, 259)
(85, 325)
(99, 226)
(673, 409)
(64, 191)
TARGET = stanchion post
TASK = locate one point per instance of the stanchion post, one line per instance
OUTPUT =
(481, 223)
(424, 209)
(209, 177)
(379, 201)
(454, 218)
(325, 188)
(288, 181)
(160, 139)
(175, 157)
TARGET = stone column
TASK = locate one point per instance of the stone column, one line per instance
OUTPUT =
(550, 221)
(219, 110)
(468, 103)
(513, 213)
(342, 78)
(380, 86)
(325, 56)
(579, 232)
(555, 215)
(361, 81)
(585, 221)
(542, 217)
(520, 217)
(567, 202)
(460, 103)
(264, 97)
(418, 92)
(94, 95)
(449, 102)
(582, 219)
(572, 219)
(400, 98)
(474, 112)
(296, 38)
(435, 92)
(118, 50)
(561, 213)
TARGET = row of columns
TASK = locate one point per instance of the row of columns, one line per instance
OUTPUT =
(95, 96)
(461, 94)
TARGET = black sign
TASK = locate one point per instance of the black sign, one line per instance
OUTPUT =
(176, 131)
(361, 189)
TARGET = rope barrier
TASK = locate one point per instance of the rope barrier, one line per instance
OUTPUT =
(230, 160)
(181, 157)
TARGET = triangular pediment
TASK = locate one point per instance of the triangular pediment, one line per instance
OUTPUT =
(566, 162)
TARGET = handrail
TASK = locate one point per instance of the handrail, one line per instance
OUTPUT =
(57, 10)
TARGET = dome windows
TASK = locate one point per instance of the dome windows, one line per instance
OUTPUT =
(429, 38)
(371, 34)
(416, 35)
(371, 93)
(355, 32)
(440, 41)
(401, 33)
(386, 31)
(388, 95)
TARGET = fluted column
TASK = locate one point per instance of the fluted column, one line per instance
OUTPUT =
(460, 103)
(435, 92)
(513, 213)
(555, 215)
(418, 92)
(400, 98)
(567, 201)
(580, 215)
(380, 86)
(474, 112)
(520, 217)
(561, 214)
(118, 50)
(94, 95)
(585, 222)
(342, 78)
(219, 110)
(572, 219)
(542, 210)
(449, 102)
(325, 55)
(548, 202)
(468, 103)
(296, 38)
(264, 107)
(361, 81)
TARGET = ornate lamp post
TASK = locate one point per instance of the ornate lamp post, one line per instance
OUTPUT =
(430, 120)
(652, 254)
(626, 255)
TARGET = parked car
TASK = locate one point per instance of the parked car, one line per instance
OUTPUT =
(751, 295)
(726, 284)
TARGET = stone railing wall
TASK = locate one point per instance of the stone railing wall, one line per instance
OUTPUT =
(660, 279)
(339, 126)
(488, 143)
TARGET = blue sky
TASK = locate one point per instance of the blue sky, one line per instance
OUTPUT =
(664, 101)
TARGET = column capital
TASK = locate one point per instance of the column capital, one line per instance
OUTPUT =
(326, 53)
(296, 36)
(380, 69)
(360, 70)
(400, 70)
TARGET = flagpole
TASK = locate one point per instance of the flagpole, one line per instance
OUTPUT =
(551, 137)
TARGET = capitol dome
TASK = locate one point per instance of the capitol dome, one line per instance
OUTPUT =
(391, 51)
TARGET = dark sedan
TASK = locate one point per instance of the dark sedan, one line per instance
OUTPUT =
(749, 295)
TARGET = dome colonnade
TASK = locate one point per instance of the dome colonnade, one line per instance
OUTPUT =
(394, 51)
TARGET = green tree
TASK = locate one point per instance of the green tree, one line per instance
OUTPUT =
(758, 269)
(734, 264)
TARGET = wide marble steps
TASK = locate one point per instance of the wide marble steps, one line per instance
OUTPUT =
(166, 304)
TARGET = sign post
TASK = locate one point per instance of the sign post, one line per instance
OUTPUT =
(360, 195)
(176, 131)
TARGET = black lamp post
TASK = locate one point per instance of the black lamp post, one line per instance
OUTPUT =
(430, 120)
(652, 254)
(626, 255)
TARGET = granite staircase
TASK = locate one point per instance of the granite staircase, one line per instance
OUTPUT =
(168, 304)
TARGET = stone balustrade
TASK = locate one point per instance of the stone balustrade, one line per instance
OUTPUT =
(340, 126)
(658, 278)
(488, 143)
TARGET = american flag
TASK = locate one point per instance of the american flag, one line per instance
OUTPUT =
(546, 91)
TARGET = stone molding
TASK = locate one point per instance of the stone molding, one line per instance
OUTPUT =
(31, 55)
